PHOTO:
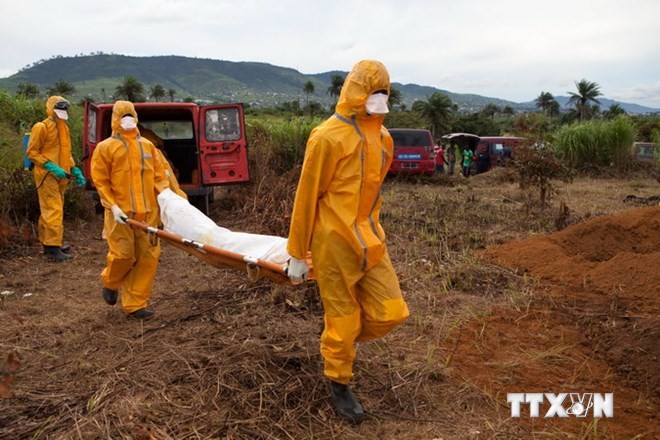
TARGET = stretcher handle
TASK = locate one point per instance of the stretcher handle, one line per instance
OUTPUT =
(210, 249)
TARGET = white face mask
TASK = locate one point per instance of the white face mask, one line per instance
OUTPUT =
(128, 123)
(62, 114)
(377, 104)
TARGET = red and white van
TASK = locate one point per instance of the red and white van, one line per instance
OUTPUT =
(206, 145)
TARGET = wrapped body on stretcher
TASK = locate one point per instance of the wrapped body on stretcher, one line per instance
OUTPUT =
(179, 217)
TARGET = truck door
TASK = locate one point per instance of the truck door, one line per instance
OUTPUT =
(223, 154)
(91, 137)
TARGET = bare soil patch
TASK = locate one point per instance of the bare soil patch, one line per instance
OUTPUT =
(228, 358)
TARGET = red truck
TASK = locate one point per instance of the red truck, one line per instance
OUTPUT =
(412, 151)
(206, 145)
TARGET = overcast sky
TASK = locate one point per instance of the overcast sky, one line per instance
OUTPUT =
(509, 49)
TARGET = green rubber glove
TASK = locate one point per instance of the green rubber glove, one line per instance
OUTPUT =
(57, 171)
(80, 179)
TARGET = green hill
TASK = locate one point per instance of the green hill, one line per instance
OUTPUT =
(206, 80)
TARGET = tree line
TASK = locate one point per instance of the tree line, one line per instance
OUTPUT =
(130, 89)
(436, 113)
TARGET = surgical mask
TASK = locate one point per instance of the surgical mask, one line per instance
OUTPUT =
(62, 114)
(128, 123)
(377, 104)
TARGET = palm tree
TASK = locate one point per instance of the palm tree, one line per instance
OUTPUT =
(545, 101)
(437, 111)
(614, 111)
(490, 110)
(554, 108)
(395, 98)
(308, 88)
(336, 83)
(130, 89)
(62, 88)
(586, 94)
(171, 93)
(157, 91)
(27, 90)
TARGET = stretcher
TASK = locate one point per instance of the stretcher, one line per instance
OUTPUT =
(255, 268)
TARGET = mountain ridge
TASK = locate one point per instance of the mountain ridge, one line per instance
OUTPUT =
(96, 76)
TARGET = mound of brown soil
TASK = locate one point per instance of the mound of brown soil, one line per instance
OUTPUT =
(592, 324)
(613, 256)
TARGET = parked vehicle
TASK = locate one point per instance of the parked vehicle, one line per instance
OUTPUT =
(646, 151)
(500, 148)
(206, 145)
(413, 152)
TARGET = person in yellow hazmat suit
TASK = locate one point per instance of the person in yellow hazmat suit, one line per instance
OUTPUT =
(128, 177)
(336, 215)
(49, 150)
(169, 171)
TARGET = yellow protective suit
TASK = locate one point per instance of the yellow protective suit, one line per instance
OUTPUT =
(127, 172)
(50, 142)
(336, 212)
(169, 172)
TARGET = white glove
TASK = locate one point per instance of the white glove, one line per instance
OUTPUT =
(297, 270)
(120, 217)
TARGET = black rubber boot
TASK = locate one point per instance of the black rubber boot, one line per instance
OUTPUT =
(110, 296)
(142, 314)
(346, 404)
(54, 253)
(65, 248)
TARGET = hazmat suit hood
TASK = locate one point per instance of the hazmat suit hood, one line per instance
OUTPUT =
(366, 77)
(119, 110)
(50, 106)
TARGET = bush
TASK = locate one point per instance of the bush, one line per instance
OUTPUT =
(537, 167)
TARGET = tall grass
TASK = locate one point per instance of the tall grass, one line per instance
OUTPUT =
(20, 113)
(597, 143)
(278, 145)
(277, 149)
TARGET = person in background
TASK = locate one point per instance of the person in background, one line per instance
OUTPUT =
(468, 155)
(483, 161)
(160, 148)
(336, 215)
(49, 150)
(128, 176)
(439, 158)
(451, 158)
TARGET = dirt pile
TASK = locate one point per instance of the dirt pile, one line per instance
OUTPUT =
(592, 324)
(614, 256)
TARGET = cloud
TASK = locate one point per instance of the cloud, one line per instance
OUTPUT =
(510, 49)
(648, 93)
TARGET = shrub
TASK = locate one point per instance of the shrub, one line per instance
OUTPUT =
(537, 167)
